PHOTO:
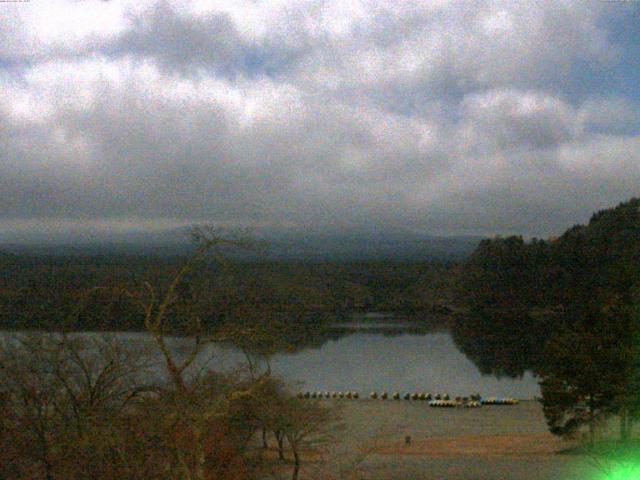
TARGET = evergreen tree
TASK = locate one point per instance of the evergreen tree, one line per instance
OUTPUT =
(565, 309)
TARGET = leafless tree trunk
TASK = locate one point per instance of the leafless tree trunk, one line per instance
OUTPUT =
(624, 424)
(296, 463)
(592, 426)
(156, 308)
(280, 439)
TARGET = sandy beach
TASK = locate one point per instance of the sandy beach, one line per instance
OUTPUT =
(489, 443)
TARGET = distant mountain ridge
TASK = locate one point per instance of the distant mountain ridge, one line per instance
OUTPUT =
(280, 246)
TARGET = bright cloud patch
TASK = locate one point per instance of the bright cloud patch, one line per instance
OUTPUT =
(446, 117)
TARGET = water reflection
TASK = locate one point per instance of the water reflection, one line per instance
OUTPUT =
(366, 361)
(369, 353)
(376, 352)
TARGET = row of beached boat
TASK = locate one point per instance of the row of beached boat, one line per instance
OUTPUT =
(435, 400)
(349, 395)
(499, 401)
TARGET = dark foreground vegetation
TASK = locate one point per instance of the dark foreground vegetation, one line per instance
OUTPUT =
(74, 408)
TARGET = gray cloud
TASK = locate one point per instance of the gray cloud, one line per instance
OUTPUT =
(183, 43)
(459, 117)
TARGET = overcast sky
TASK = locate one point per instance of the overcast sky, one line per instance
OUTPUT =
(438, 117)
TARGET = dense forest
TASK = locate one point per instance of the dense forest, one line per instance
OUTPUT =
(568, 310)
(88, 291)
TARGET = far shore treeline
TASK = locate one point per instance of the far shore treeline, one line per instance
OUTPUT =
(87, 292)
(567, 309)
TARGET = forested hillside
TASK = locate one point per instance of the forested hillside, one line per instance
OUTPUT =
(567, 309)
(88, 292)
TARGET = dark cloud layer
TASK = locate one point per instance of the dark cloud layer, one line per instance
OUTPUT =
(318, 115)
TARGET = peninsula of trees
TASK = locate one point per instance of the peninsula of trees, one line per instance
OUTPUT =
(567, 309)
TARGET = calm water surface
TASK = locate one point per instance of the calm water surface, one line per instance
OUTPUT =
(367, 357)
(408, 362)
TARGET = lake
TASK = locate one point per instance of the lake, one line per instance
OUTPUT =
(365, 360)
(375, 352)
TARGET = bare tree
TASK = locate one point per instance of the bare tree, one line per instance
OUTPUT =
(99, 377)
(307, 424)
(53, 382)
(209, 243)
(30, 392)
(163, 310)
